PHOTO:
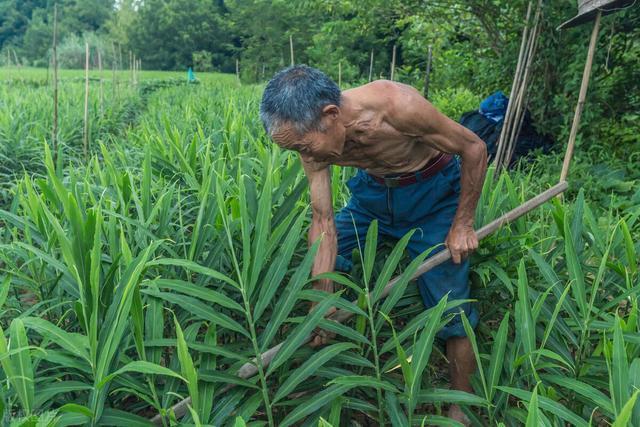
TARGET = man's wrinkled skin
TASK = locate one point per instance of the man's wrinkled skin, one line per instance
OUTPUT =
(388, 128)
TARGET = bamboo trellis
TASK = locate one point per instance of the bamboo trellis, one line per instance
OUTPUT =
(519, 90)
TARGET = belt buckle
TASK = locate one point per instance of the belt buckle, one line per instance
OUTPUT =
(391, 182)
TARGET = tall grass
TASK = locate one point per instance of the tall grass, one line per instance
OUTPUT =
(177, 254)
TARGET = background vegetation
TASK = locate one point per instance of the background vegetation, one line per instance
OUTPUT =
(475, 45)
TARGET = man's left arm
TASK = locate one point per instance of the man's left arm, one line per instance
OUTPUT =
(436, 129)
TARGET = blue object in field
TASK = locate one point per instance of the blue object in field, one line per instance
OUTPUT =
(191, 77)
(494, 107)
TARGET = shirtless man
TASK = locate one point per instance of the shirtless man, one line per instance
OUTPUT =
(407, 179)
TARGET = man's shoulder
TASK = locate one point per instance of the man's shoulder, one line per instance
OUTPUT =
(378, 86)
(386, 94)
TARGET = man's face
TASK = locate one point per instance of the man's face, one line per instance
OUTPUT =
(320, 146)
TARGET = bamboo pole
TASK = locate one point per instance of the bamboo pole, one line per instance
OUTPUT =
(581, 98)
(249, 369)
(119, 57)
(54, 131)
(427, 74)
(521, 103)
(514, 85)
(291, 49)
(393, 63)
(85, 133)
(101, 89)
(371, 66)
(113, 70)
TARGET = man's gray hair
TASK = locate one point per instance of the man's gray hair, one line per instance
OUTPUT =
(297, 95)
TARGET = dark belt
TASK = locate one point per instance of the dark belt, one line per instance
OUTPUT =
(434, 166)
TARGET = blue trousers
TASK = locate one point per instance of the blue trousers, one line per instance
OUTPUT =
(428, 206)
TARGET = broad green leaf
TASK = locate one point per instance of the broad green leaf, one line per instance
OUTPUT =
(23, 379)
(619, 374)
(186, 364)
(199, 291)
(533, 418)
(314, 403)
(497, 356)
(309, 367)
(595, 396)
(390, 266)
(548, 405)
(261, 232)
(407, 373)
(634, 384)
(422, 352)
(629, 248)
(364, 381)
(441, 395)
(46, 393)
(4, 290)
(287, 301)
(72, 342)
(370, 249)
(278, 269)
(117, 417)
(575, 273)
(298, 336)
(76, 408)
(142, 367)
(199, 309)
(208, 361)
(396, 415)
(239, 422)
(471, 335)
(623, 418)
(526, 327)
(192, 266)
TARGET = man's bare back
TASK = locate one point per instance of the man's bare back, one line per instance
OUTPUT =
(386, 128)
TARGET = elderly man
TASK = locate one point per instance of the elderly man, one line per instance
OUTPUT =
(407, 179)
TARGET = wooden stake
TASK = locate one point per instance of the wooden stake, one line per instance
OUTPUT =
(522, 92)
(54, 131)
(393, 63)
(371, 66)
(514, 86)
(101, 96)
(521, 105)
(249, 369)
(291, 48)
(427, 74)
(85, 133)
(581, 98)
(119, 57)
(15, 56)
(113, 70)
(238, 69)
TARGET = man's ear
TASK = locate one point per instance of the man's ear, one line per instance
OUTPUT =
(331, 110)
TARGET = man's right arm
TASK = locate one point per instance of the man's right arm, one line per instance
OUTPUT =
(322, 223)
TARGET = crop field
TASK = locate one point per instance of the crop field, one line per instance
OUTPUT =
(153, 268)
